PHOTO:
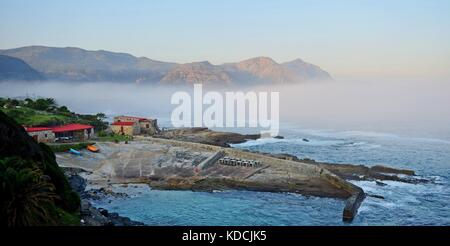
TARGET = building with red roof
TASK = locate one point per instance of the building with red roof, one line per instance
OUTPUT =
(41, 134)
(69, 132)
(75, 132)
(129, 128)
(131, 125)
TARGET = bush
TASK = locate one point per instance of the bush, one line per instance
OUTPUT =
(27, 195)
(69, 198)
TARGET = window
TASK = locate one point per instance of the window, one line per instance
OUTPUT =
(45, 135)
(147, 125)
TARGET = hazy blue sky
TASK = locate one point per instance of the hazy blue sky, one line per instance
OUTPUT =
(391, 38)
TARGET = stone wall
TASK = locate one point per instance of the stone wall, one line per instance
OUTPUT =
(149, 127)
(43, 136)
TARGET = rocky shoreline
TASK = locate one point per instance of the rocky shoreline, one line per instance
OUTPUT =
(90, 215)
(204, 135)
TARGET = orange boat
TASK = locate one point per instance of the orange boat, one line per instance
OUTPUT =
(92, 148)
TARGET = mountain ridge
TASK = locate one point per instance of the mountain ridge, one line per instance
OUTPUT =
(77, 64)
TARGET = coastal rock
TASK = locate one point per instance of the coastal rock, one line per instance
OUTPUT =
(359, 172)
(206, 136)
(352, 204)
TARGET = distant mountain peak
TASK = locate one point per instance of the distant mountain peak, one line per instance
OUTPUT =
(196, 72)
(76, 64)
(298, 60)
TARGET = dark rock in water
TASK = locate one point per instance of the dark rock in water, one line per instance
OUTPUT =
(279, 137)
(77, 183)
(376, 196)
(380, 183)
(384, 169)
(352, 204)
(103, 211)
(102, 193)
(91, 216)
(305, 140)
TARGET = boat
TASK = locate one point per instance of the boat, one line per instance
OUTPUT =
(75, 152)
(92, 148)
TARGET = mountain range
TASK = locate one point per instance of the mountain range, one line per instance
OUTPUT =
(75, 64)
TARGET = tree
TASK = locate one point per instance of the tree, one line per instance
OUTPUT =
(41, 104)
(27, 195)
(29, 102)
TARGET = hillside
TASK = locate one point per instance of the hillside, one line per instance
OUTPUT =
(34, 190)
(46, 112)
(75, 64)
(12, 68)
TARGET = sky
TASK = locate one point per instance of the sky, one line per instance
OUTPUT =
(349, 39)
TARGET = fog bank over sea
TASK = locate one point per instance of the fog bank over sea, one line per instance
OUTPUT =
(410, 108)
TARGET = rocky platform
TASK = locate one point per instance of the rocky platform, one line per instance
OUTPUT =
(206, 136)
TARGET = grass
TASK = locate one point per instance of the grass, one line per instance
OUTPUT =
(31, 117)
(114, 138)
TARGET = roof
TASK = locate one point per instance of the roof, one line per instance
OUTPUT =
(37, 129)
(71, 127)
(123, 123)
(134, 117)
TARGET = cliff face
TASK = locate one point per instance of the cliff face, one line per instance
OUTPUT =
(17, 145)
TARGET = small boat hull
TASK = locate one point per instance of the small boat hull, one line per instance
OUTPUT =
(92, 148)
(74, 152)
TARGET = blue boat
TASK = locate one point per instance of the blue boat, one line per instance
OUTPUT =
(75, 152)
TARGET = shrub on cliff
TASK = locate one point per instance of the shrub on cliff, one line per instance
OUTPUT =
(17, 144)
(27, 196)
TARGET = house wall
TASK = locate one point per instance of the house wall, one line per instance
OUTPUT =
(141, 125)
(88, 133)
(149, 127)
(79, 135)
(43, 136)
(127, 130)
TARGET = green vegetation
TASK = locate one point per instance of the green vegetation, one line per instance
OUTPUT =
(46, 112)
(27, 196)
(66, 146)
(33, 189)
(113, 137)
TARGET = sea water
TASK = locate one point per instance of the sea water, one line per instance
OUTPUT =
(403, 203)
